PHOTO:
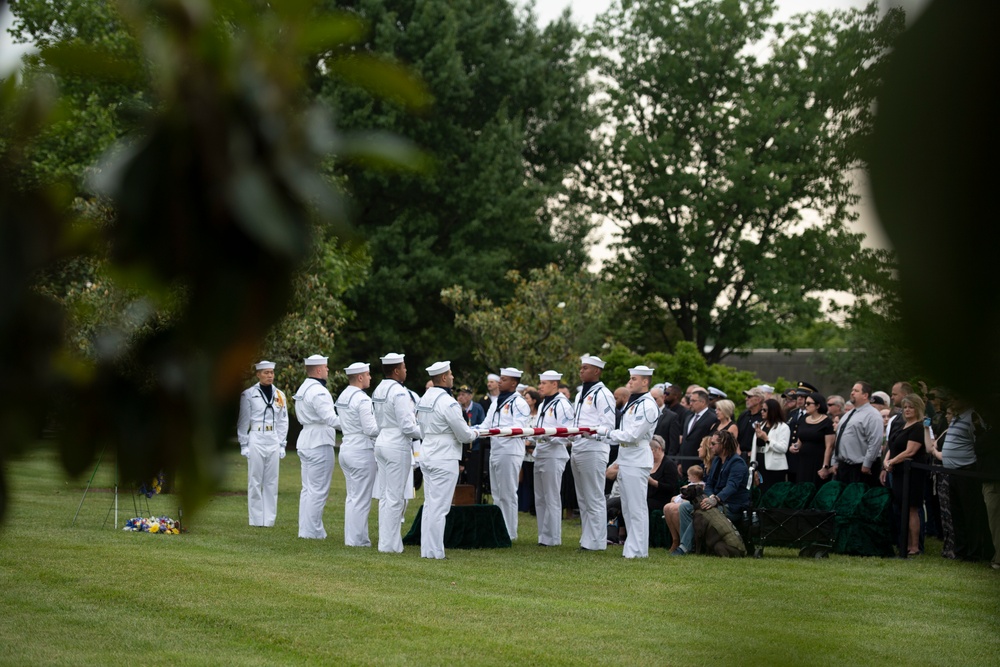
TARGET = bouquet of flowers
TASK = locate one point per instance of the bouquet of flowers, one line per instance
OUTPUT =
(154, 487)
(162, 525)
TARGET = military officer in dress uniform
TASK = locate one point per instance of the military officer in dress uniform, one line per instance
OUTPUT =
(509, 410)
(314, 410)
(595, 407)
(444, 428)
(262, 430)
(357, 452)
(551, 456)
(397, 423)
(635, 459)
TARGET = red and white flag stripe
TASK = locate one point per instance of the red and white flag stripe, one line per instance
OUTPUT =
(525, 432)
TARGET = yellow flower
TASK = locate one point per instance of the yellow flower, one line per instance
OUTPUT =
(154, 528)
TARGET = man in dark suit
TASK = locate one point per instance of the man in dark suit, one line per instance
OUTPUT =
(698, 424)
(668, 427)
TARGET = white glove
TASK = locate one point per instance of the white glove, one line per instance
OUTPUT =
(602, 431)
(475, 434)
(245, 451)
(281, 453)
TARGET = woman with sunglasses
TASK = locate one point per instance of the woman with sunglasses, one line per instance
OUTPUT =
(813, 437)
(770, 443)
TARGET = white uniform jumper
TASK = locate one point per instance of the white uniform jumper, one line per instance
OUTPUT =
(357, 462)
(506, 454)
(595, 406)
(444, 428)
(262, 427)
(397, 422)
(635, 461)
(551, 456)
(314, 410)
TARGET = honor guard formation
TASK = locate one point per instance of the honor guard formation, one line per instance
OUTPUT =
(630, 452)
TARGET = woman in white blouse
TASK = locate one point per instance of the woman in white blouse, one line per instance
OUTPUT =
(770, 442)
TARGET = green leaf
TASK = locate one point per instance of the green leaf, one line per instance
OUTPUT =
(328, 32)
(382, 78)
(383, 150)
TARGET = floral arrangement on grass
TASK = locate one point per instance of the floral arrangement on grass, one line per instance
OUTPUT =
(162, 525)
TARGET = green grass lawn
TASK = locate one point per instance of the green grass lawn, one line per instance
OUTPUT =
(225, 593)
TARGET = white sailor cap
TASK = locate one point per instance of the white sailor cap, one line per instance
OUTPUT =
(641, 370)
(718, 393)
(392, 359)
(315, 360)
(548, 376)
(521, 387)
(264, 365)
(492, 377)
(357, 367)
(767, 388)
(592, 361)
(438, 368)
(511, 372)
(660, 386)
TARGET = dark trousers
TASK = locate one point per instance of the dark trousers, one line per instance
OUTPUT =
(968, 513)
(849, 473)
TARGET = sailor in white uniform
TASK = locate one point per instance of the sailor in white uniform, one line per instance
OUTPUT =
(357, 452)
(510, 410)
(443, 426)
(314, 410)
(551, 456)
(397, 422)
(262, 431)
(635, 459)
(595, 407)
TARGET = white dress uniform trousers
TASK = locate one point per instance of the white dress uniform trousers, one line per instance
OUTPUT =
(443, 426)
(595, 406)
(397, 422)
(506, 454)
(314, 410)
(635, 461)
(262, 427)
(551, 456)
(357, 462)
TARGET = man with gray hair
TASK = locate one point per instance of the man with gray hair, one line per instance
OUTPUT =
(855, 452)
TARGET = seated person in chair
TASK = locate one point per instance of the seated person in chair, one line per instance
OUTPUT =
(726, 487)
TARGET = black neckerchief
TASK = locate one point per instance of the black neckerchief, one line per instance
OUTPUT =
(446, 390)
(546, 401)
(632, 400)
(268, 391)
(587, 386)
(321, 381)
(503, 396)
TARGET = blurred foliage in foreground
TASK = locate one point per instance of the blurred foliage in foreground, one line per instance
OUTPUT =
(199, 220)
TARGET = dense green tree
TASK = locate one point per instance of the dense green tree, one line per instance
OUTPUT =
(728, 162)
(550, 319)
(510, 120)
